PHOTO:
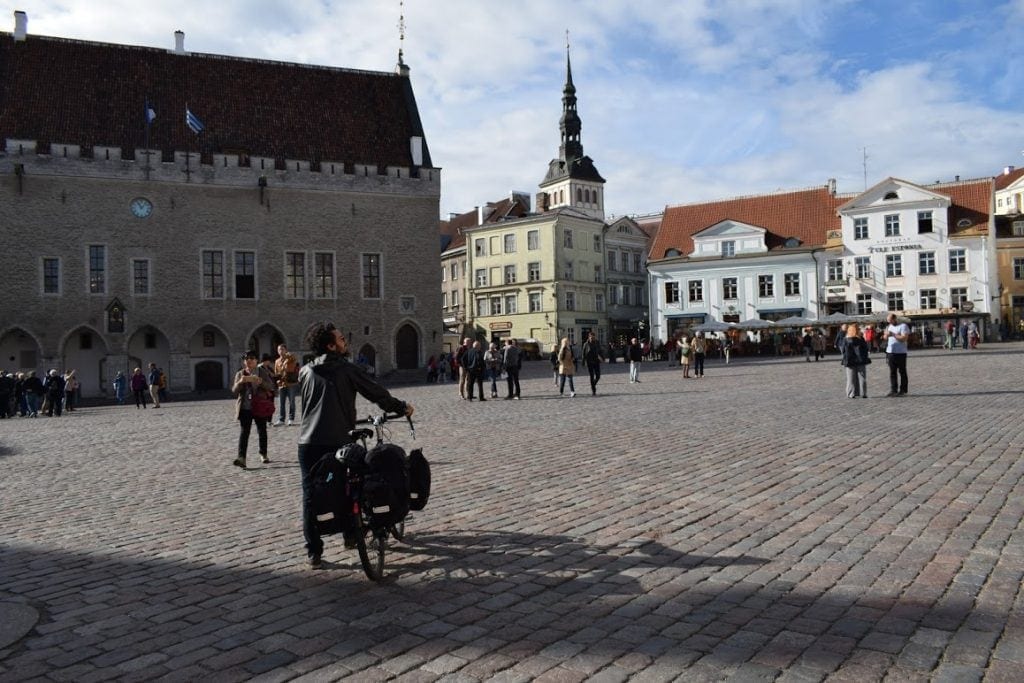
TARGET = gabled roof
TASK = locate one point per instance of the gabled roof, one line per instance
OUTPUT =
(494, 212)
(807, 215)
(54, 90)
(972, 202)
(1004, 180)
(891, 187)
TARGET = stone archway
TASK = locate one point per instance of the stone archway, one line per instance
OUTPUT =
(19, 351)
(85, 351)
(264, 339)
(367, 358)
(407, 348)
(209, 351)
(150, 345)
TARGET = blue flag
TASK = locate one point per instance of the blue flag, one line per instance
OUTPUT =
(150, 114)
(193, 122)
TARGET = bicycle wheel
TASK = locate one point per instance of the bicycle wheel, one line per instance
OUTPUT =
(371, 545)
(398, 530)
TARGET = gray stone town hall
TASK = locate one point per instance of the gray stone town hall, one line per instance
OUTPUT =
(307, 194)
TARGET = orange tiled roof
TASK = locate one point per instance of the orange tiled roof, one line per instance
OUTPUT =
(972, 200)
(55, 90)
(1004, 180)
(805, 214)
(493, 213)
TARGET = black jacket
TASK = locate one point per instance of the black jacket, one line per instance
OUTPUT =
(328, 386)
(855, 352)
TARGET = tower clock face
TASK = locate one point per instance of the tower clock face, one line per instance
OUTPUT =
(141, 207)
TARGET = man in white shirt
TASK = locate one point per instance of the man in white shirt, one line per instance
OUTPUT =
(896, 336)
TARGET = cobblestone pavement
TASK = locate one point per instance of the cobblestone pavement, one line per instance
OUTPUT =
(753, 525)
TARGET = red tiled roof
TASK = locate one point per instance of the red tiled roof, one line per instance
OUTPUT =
(1004, 180)
(84, 93)
(494, 212)
(972, 200)
(805, 214)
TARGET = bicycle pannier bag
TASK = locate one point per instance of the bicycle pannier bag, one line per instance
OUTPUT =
(419, 480)
(330, 500)
(385, 486)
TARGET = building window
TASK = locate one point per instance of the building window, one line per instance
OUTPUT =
(140, 277)
(860, 228)
(729, 288)
(323, 275)
(567, 238)
(371, 276)
(535, 306)
(924, 221)
(864, 304)
(957, 296)
(835, 269)
(597, 243)
(926, 263)
(481, 306)
(672, 293)
(481, 277)
(568, 270)
(479, 247)
(444, 300)
(696, 288)
(570, 301)
(597, 273)
(533, 240)
(455, 299)
(766, 286)
(495, 305)
(294, 275)
(638, 294)
(97, 269)
(929, 298)
(444, 274)
(245, 274)
(894, 265)
(1018, 228)
(957, 261)
(495, 245)
(599, 302)
(728, 248)
(213, 274)
(1018, 269)
(894, 301)
(862, 267)
(51, 276)
(624, 262)
(892, 225)
(510, 275)
(637, 264)
(533, 271)
(611, 261)
(613, 294)
(455, 271)
(511, 305)
(791, 282)
(625, 295)
(510, 243)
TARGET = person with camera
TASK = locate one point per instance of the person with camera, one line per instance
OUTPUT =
(254, 402)
(286, 371)
(328, 385)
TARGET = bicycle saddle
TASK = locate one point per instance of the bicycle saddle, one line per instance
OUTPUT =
(363, 433)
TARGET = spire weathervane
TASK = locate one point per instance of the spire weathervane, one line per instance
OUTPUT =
(401, 29)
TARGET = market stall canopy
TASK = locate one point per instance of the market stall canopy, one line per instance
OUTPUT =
(795, 321)
(754, 324)
(837, 318)
(715, 326)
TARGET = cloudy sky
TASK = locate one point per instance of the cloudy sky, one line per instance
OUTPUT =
(681, 101)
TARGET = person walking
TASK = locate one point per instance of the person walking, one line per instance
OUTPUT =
(593, 357)
(457, 362)
(512, 361)
(700, 350)
(566, 368)
(818, 345)
(475, 366)
(54, 386)
(856, 357)
(120, 388)
(286, 373)
(636, 355)
(138, 385)
(554, 362)
(896, 336)
(154, 384)
(685, 355)
(328, 385)
(444, 367)
(727, 348)
(254, 402)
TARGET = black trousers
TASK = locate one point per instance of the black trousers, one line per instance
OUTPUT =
(595, 375)
(309, 455)
(897, 370)
(245, 417)
(512, 379)
(478, 380)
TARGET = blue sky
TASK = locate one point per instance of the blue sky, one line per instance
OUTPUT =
(680, 101)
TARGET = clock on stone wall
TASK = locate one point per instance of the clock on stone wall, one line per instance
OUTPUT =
(141, 207)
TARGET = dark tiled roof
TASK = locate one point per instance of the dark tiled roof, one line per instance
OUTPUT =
(805, 214)
(494, 212)
(84, 93)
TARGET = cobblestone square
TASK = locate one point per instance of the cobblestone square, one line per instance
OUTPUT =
(752, 525)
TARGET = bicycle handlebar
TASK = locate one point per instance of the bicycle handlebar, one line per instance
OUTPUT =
(379, 420)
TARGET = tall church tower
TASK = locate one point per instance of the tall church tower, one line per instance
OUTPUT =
(572, 180)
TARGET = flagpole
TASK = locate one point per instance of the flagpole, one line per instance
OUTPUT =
(188, 149)
(146, 113)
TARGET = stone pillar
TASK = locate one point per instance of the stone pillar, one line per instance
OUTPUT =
(179, 373)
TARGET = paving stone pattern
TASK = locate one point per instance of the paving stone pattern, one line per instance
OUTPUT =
(754, 525)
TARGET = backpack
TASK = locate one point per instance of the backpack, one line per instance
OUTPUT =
(328, 483)
(419, 479)
(385, 485)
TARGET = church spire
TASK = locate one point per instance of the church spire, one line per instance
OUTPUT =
(570, 124)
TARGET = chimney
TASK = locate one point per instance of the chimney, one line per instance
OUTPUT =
(179, 42)
(479, 215)
(958, 178)
(832, 186)
(521, 197)
(542, 202)
(20, 25)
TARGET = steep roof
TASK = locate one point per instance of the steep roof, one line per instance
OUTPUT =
(972, 202)
(1004, 180)
(805, 214)
(494, 212)
(55, 90)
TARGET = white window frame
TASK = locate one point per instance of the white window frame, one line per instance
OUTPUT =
(764, 292)
(860, 228)
(926, 258)
(531, 271)
(533, 240)
(511, 304)
(536, 302)
(510, 243)
(730, 285)
(509, 274)
(957, 260)
(862, 267)
(892, 225)
(893, 265)
(480, 277)
(791, 284)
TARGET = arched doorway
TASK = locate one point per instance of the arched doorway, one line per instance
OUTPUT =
(367, 358)
(265, 339)
(209, 375)
(210, 353)
(85, 352)
(149, 345)
(407, 348)
(19, 351)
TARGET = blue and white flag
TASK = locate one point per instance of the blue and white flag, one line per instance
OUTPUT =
(193, 122)
(150, 114)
